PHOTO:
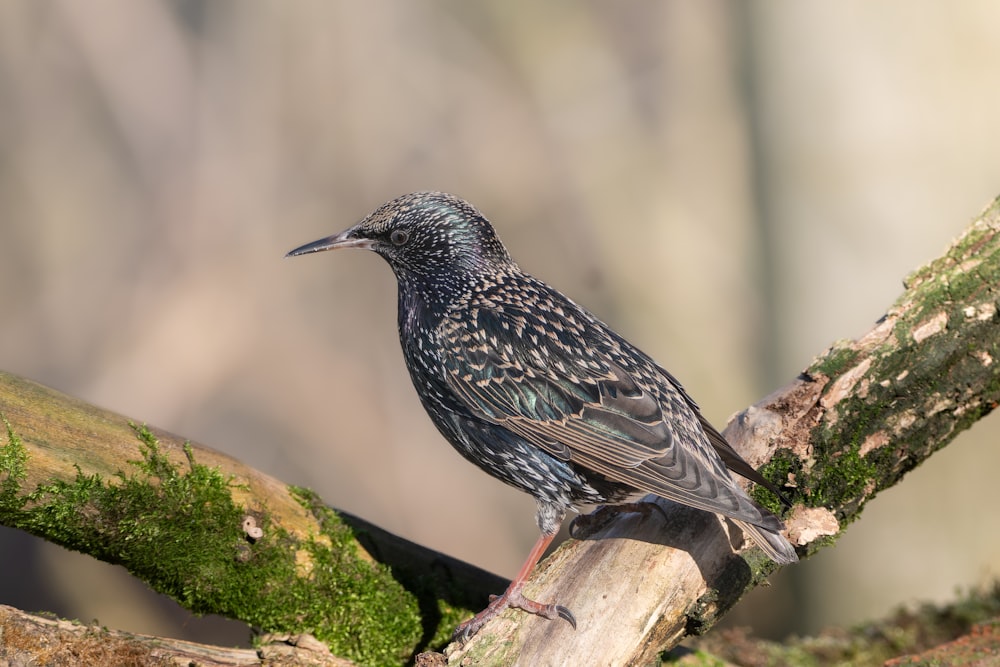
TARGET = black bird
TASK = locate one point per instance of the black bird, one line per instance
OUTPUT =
(538, 392)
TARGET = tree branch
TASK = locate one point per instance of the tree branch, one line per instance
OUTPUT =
(220, 537)
(956, 633)
(862, 415)
(29, 639)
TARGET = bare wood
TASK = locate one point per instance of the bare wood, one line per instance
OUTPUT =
(862, 415)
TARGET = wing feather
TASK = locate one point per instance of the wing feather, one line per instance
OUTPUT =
(608, 407)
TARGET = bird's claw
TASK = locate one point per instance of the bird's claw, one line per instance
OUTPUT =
(566, 615)
(465, 631)
(513, 599)
(549, 611)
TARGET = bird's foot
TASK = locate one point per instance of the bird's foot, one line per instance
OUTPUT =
(511, 598)
(588, 524)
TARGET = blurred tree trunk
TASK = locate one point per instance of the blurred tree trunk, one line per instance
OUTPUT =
(862, 415)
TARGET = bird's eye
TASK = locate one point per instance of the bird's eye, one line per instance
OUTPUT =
(398, 237)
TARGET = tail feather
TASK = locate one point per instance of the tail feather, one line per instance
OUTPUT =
(772, 543)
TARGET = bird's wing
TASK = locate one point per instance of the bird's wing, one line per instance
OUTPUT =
(561, 382)
(729, 456)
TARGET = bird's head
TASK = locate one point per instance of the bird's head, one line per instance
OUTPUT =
(425, 237)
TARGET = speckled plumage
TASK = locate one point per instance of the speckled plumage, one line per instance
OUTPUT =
(535, 390)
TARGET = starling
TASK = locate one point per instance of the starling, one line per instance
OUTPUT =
(538, 392)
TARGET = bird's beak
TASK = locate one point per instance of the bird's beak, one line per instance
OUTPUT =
(344, 239)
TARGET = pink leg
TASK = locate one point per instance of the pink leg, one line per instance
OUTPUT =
(512, 597)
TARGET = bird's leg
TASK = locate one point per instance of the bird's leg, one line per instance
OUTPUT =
(513, 597)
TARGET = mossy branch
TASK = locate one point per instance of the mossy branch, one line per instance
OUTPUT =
(861, 416)
(220, 537)
(963, 632)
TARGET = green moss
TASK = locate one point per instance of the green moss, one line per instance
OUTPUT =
(843, 479)
(180, 531)
(841, 473)
(778, 469)
(13, 471)
(835, 361)
(701, 615)
(761, 567)
(945, 282)
(975, 237)
(373, 588)
(450, 617)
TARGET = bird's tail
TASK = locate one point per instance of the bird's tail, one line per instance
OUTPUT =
(772, 543)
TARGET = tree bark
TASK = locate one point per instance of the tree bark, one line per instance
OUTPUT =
(28, 639)
(862, 415)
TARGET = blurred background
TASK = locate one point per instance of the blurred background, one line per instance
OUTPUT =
(731, 185)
